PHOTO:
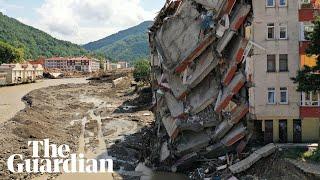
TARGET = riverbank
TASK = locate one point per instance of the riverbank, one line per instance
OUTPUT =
(88, 117)
(10, 96)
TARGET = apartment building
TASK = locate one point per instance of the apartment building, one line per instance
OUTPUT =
(83, 64)
(274, 101)
(14, 73)
(310, 102)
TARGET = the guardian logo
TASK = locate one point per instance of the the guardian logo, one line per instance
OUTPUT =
(56, 160)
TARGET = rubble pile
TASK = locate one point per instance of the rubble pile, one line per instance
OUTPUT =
(200, 84)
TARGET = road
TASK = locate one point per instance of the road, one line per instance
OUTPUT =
(10, 97)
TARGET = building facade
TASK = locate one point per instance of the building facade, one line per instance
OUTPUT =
(38, 70)
(274, 101)
(3, 78)
(310, 101)
(14, 73)
(28, 73)
(83, 64)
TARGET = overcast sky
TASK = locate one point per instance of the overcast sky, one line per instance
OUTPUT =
(81, 21)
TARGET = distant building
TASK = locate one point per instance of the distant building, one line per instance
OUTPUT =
(28, 73)
(14, 73)
(83, 64)
(38, 70)
(3, 78)
(118, 65)
(123, 64)
(38, 61)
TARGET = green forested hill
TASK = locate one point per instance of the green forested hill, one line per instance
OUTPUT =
(130, 44)
(35, 42)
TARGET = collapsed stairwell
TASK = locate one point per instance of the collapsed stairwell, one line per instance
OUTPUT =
(198, 59)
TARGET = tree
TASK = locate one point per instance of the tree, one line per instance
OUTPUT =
(9, 54)
(142, 70)
(308, 78)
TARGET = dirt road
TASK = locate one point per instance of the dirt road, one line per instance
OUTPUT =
(90, 118)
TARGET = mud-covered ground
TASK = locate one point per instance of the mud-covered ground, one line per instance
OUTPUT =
(100, 121)
(88, 117)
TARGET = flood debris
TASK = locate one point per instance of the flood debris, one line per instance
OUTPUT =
(200, 86)
(253, 158)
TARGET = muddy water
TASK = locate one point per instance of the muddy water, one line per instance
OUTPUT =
(10, 97)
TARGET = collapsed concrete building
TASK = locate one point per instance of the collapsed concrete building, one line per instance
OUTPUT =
(198, 59)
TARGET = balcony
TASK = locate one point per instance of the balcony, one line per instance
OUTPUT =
(308, 11)
(310, 105)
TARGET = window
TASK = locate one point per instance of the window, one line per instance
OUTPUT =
(283, 62)
(271, 96)
(282, 3)
(310, 99)
(270, 3)
(305, 1)
(270, 29)
(283, 31)
(283, 95)
(307, 30)
(271, 63)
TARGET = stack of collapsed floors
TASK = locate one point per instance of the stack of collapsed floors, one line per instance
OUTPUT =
(198, 50)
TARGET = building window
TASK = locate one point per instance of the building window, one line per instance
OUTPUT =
(283, 95)
(271, 96)
(310, 99)
(305, 1)
(270, 3)
(283, 31)
(271, 63)
(282, 3)
(307, 31)
(283, 63)
(270, 29)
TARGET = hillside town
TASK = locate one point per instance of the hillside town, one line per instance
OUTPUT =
(230, 90)
(32, 70)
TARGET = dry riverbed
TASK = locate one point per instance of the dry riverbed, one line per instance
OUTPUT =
(91, 118)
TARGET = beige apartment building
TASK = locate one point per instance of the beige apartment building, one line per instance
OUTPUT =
(274, 101)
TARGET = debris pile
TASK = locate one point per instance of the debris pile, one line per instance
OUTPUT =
(200, 84)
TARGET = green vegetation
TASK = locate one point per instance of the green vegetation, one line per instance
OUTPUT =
(10, 54)
(303, 153)
(34, 42)
(142, 71)
(129, 45)
(308, 78)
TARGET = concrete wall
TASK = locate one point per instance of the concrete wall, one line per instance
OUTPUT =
(263, 79)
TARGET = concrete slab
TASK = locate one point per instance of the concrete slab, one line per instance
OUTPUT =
(175, 106)
(204, 94)
(202, 66)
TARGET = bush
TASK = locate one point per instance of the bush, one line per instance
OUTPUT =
(142, 71)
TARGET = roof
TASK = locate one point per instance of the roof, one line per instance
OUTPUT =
(83, 58)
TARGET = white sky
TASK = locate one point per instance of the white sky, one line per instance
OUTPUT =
(81, 21)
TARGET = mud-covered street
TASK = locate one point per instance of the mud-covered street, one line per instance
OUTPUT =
(91, 118)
